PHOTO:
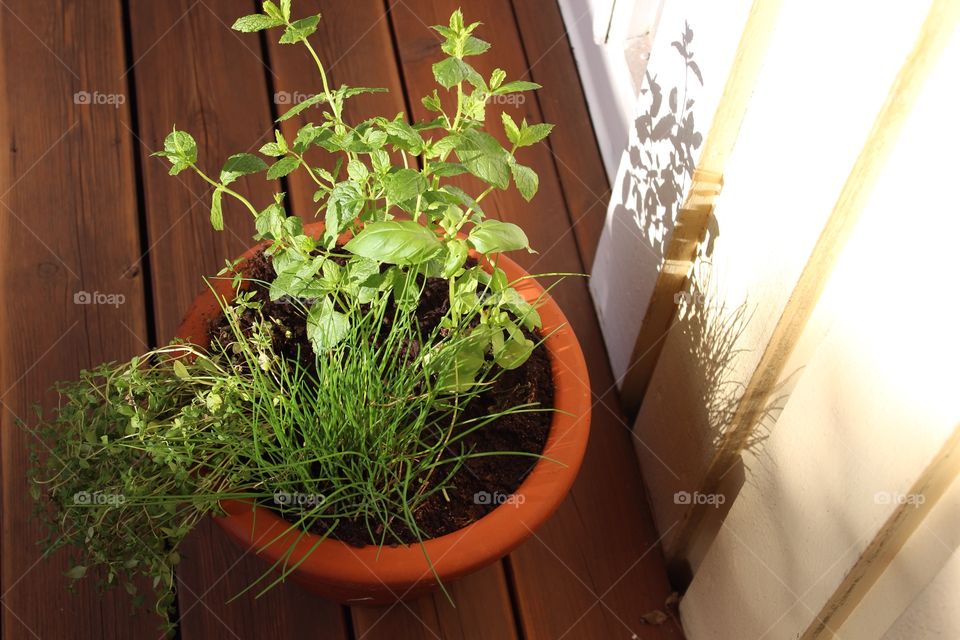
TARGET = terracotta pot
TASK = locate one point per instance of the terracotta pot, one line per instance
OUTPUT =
(375, 576)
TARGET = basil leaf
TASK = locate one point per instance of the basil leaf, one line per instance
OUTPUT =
(492, 236)
(396, 242)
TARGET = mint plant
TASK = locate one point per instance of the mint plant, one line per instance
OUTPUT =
(407, 220)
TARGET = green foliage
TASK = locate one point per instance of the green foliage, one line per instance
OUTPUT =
(179, 429)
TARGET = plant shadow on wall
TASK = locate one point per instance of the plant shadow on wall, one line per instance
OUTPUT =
(711, 334)
(662, 153)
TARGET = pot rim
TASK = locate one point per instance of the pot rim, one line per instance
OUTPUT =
(492, 536)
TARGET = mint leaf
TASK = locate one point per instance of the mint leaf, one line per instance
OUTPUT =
(326, 327)
(255, 22)
(272, 149)
(270, 222)
(180, 148)
(283, 167)
(526, 179)
(300, 30)
(492, 236)
(216, 209)
(452, 71)
(516, 86)
(474, 47)
(396, 242)
(344, 204)
(285, 9)
(241, 164)
(497, 78)
(511, 128)
(303, 106)
(531, 135)
(357, 171)
(404, 185)
(483, 156)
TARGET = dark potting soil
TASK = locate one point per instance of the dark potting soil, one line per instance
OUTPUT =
(481, 483)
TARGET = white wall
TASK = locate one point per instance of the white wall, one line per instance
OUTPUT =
(652, 176)
(874, 405)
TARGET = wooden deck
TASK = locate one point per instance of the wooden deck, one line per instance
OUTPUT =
(84, 208)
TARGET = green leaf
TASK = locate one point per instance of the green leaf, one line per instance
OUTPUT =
(474, 47)
(270, 8)
(76, 572)
(180, 147)
(526, 179)
(403, 136)
(492, 236)
(272, 149)
(357, 170)
(432, 102)
(344, 204)
(241, 164)
(326, 327)
(452, 71)
(464, 198)
(216, 209)
(283, 167)
(457, 252)
(483, 156)
(497, 78)
(300, 30)
(458, 369)
(516, 86)
(270, 222)
(447, 169)
(404, 184)
(303, 106)
(285, 9)
(305, 137)
(396, 242)
(531, 135)
(180, 370)
(514, 352)
(255, 22)
(511, 128)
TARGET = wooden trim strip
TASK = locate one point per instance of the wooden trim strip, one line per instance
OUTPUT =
(933, 37)
(886, 544)
(695, 212)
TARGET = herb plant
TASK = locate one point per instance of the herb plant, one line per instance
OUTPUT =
(364, 428)
(406, 216)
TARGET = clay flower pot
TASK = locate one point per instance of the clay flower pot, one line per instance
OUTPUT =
(373, 575)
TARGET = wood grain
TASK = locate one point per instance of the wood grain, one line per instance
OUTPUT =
(68, 223)
(576, 156)
(196, 73)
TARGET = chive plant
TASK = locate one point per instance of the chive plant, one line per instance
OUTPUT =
(371, 424)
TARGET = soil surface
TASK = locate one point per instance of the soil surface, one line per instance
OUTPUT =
(481, 484)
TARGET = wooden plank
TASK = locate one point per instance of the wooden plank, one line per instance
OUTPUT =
(193, 71)
(68, 224)
(577, 158)
(560, 586)
(481, 609)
